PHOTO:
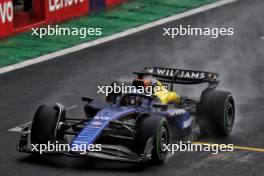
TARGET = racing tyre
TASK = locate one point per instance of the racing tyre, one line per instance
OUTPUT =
(156, 127)
(216, 113)
(44, 124)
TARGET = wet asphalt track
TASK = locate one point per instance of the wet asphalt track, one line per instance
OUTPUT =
(238, 59)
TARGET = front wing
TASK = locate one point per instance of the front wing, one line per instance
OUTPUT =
(109, 152)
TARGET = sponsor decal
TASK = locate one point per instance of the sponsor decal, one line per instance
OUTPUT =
(187, 123)
(98, 120)
(101, 118)
(6, 12)
(177, 112)
(149, 70)
(178, 73)
(96, 123)
(192, 75)
(60, 4)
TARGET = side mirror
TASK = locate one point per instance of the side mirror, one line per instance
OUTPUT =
(162, 107)
(87, 99)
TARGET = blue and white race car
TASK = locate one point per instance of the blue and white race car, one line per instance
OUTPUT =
(136, 127)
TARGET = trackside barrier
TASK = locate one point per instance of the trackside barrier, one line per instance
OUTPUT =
(97, 5)
(15, 20)
(111, 3)
(61, 10)
(6, 17)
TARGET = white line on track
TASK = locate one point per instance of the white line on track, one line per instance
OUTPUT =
(115, 36)
(71, 107)
(19, 127)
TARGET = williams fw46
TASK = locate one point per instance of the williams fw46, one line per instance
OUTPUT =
(135, 127)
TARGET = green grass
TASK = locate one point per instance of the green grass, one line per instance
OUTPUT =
(134, 13)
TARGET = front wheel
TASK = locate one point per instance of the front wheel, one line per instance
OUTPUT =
(155, 127)
(44, 125)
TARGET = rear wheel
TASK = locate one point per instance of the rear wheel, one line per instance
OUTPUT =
(44, 125)
(216, 113)
(155, 127)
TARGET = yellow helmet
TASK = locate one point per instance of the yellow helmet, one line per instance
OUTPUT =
(165, 95)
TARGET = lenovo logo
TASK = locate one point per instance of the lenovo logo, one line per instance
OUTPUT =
(60, 4)
(6, 12)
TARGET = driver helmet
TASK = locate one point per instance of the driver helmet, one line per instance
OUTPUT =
(134, 101)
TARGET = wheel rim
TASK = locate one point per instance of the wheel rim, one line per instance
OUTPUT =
(162, 141)
(229, 115)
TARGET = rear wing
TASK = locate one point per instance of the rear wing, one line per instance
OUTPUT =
(180, 76)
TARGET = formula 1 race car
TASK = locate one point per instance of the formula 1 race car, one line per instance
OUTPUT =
(134, 126)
